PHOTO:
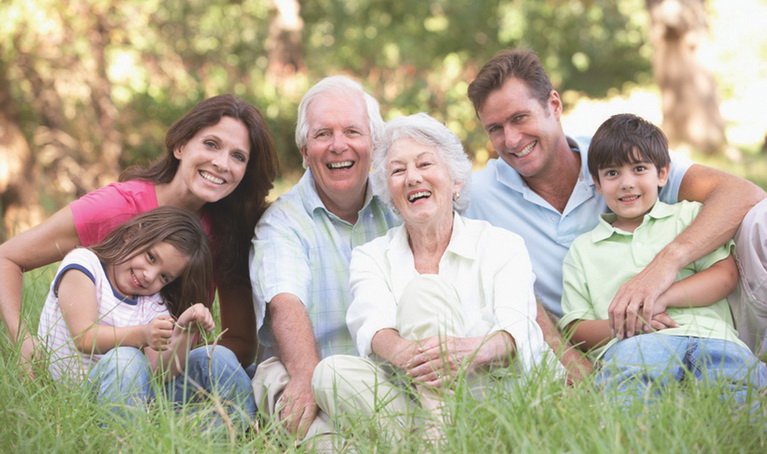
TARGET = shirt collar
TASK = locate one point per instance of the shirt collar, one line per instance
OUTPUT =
(585, 175)
(605, 230)
(311, 198)
(461, 243)
(511, 178)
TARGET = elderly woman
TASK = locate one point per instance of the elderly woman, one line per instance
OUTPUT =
(439, 296)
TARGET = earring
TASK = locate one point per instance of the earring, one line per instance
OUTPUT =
(395, 210)
(456, 196)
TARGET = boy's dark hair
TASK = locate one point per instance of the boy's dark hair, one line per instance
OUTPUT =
(179, 228)
(620, 137)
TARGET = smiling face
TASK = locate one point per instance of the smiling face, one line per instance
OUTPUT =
(148, 272)
(631, 190)
(419, 182)
(526, 134)
(338, 149)
(212, 163)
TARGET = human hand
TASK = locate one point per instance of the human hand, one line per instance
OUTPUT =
(438, 359)
(577, 365)
(297, 407)
(28, 350)
(635, 300)
(659, 322)
(196, 317)
(158, 332)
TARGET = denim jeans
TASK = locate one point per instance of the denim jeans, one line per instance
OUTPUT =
(641, 366)
(123, 378)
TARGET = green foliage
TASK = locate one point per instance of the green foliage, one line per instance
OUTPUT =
(154, 60)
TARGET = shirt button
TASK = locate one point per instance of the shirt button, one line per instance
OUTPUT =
(553, 218)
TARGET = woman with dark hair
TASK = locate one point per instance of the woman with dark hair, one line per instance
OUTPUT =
(220, 163)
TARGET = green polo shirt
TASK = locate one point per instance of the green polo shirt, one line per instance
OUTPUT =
(602, 260)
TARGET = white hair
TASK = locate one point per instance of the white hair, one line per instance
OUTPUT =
(426, 130)
(337, 85)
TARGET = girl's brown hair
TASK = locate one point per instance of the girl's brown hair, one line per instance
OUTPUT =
(233, 218)
(177, 227)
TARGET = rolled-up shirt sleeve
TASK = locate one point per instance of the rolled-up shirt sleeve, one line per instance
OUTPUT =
(278, 262)
(513, 297)
(374, 306)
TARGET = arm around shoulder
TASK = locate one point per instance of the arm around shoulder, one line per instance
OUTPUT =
(41, 245)
(726, 199)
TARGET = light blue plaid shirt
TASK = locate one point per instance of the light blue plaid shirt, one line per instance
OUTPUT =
(303, 249)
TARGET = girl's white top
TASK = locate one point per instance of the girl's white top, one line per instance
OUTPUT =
(114, 309)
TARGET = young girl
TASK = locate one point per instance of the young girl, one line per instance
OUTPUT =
(219, 162)
(121, 310)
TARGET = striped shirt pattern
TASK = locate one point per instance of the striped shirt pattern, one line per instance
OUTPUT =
(113, 310)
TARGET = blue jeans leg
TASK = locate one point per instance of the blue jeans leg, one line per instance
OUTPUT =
(215, 371)
(641, 366)
(122, 378)
(731, 365)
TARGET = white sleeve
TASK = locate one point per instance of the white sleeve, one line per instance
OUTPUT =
(374, 306)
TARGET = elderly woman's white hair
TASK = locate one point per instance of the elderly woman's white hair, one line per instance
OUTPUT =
(337, 85)
(426, 130)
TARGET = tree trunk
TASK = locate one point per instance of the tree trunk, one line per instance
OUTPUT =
(284, 43)
(19, 204)
(691, 116)
(107, 168)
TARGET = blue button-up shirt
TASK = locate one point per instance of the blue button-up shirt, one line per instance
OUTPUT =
(500, 196)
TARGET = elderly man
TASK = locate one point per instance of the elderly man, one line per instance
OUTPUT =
(541, 189)
(302, 247)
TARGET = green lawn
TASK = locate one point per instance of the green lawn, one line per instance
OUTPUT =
(38, 416)
(547, 416)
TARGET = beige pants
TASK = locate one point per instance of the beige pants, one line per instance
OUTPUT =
(269, 382)
(349, 385)
(749, 300)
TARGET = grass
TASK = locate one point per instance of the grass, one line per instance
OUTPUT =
(40, 416)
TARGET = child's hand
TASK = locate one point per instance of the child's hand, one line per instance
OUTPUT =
(196, 317)
(659, 322)
(158, 332)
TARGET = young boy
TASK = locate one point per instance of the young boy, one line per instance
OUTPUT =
(629, 160)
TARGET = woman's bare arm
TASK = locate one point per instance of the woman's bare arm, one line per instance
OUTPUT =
(41, 245)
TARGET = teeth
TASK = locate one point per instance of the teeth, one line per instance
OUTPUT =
(629, 198)
(417, 195)
(340, 165)
(134, 279)
(526, 151)
(211, 178)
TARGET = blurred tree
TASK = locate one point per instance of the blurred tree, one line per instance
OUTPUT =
(98, 82)
(18, 174)
(691, 116)
(284, 46)
(420, 56)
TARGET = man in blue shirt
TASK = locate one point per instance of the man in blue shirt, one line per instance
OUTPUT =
(540, 188)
